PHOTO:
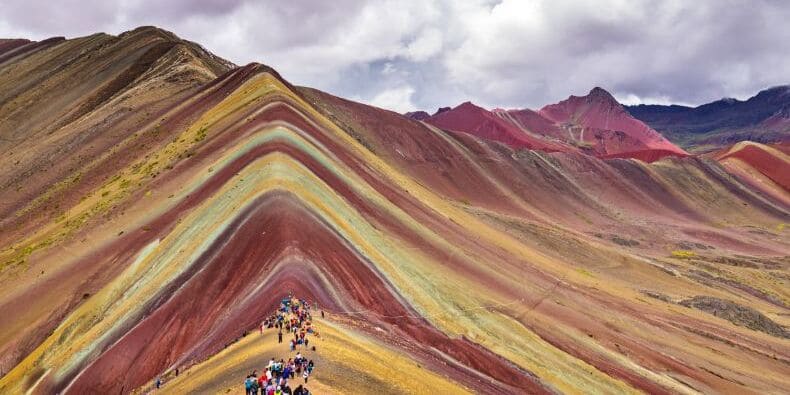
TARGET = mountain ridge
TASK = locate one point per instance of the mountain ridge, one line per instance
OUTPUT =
(155, 230)
(725, 121)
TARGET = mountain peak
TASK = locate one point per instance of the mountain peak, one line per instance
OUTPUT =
(468, 104)
(441, 110)
(613, 131)
(417, 115)
(598, 91)
(151, 31)
(464, 109)
(601, 95)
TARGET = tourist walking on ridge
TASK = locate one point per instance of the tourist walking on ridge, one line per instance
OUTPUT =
(294, 315)
(254, 385)
(248, 385)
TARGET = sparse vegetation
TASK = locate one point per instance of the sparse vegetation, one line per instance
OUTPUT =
(684, 254)
(201, 134)
(657, 295)
(737, 314)
(624, 242)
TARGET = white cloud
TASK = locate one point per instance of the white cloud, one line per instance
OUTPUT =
(631, 99)
(427, 44)
(509, 53)
(396, 99)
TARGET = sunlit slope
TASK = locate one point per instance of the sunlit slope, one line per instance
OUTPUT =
(493, 269)
(752, 157)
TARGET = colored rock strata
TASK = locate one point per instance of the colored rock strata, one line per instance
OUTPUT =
(157, 202)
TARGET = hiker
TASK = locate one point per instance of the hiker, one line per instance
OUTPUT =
(322, 313)
(176, 372)
(306, 340)
(310, 367)
(298, 390)
(254, 385)
(247, 385)
(280, 337)
(158, 382)
(306, 375)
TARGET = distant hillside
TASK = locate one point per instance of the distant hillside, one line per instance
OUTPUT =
(595, 124)
(763, 118)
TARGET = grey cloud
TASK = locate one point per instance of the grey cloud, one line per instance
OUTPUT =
(413, 53)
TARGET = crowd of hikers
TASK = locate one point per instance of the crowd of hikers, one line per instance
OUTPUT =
(293, 321)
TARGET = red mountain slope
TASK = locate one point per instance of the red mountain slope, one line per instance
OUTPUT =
(769, 161)
(594, 124)
(534, 122)
(480, 122)
(603, 122)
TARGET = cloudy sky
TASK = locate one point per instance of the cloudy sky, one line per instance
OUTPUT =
(407, 55)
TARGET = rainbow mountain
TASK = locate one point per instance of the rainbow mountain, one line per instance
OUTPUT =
(159, 201)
